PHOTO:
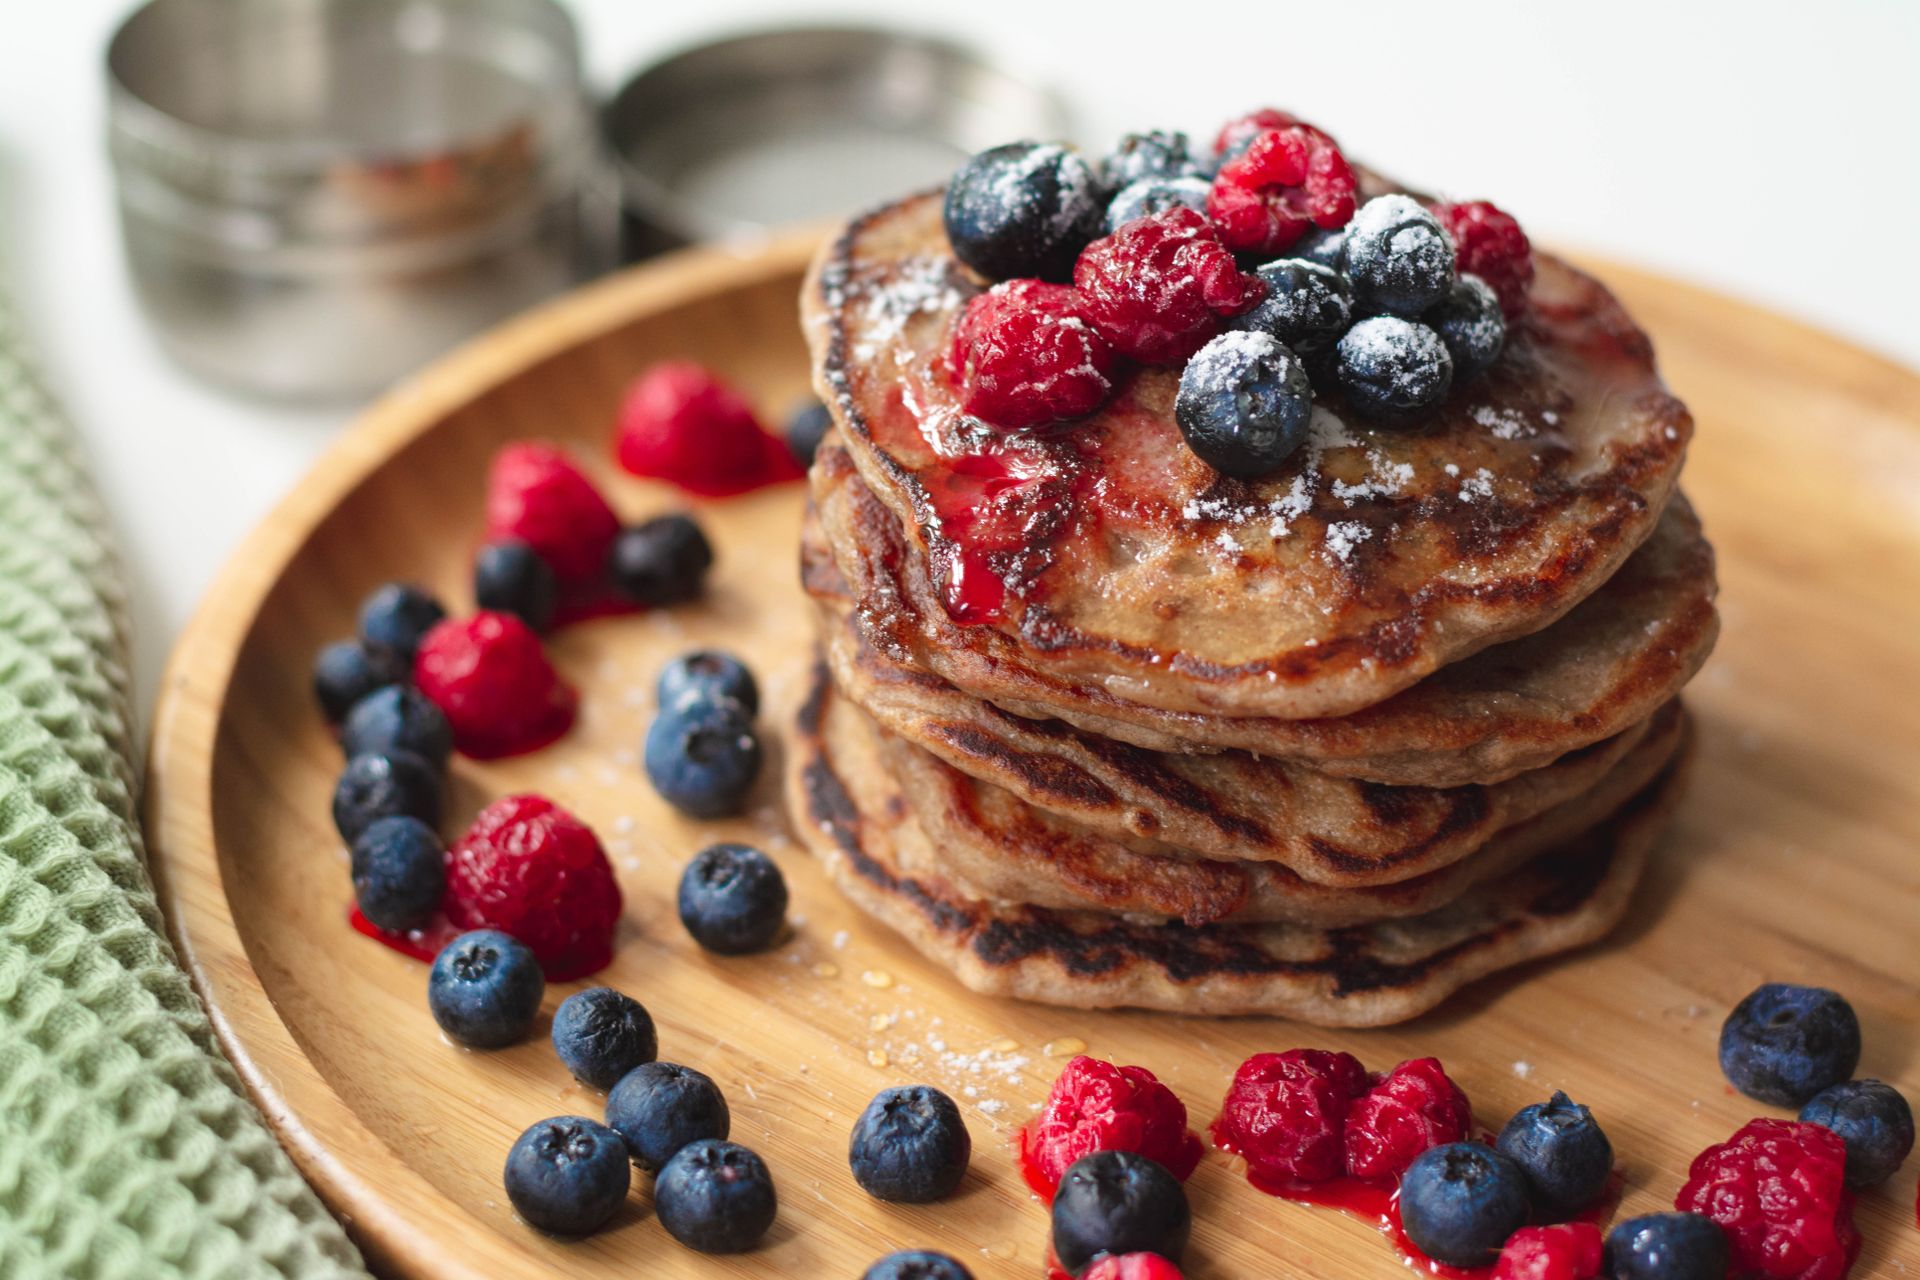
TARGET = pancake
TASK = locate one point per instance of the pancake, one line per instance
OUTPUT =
(1111, 559)
(1000, 848)
(852, 817)
(1232, 805)
(1608, 665)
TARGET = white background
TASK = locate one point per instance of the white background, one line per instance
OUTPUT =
(1769, 149)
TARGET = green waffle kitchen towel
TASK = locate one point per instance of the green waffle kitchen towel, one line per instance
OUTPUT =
(127, 1146)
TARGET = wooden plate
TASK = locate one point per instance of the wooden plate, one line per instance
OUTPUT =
(1794, 858)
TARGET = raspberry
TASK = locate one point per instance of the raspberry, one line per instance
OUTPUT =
(536, 494)
(1235, 134)
(1488, 243)
(680, 422)
(490, 677)
(1024, 354)
(529, 868)
(1157, 287)
(1287, 182)
(1778, 1189)
(1413, 1107)
(1131, 1266)
(1097, 1106)
(1565, 1251)
(1286, 1113)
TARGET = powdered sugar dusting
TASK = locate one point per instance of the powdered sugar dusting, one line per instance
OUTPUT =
(919, 285)
(1504, 424)
(1343, 536)
(1289, 506)
(1477, 486)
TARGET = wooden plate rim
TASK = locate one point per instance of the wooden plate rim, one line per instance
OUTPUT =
(309, 1117)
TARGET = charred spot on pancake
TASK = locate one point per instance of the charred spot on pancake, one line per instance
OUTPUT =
(1046, 775)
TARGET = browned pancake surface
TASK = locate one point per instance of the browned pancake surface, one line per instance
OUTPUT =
(854, 820)
(1608, 665)
(1005, 850)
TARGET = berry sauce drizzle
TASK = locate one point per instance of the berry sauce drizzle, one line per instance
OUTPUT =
(422, 944)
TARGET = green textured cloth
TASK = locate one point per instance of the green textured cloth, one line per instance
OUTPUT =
(127, 1146)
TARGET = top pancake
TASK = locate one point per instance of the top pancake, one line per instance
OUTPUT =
(1624, 651)
(1121, 563)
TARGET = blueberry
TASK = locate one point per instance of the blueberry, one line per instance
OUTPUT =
(1566, 1157)
(394, 617)
(1155, 195)
(1321, 246)
(806, 426)
(660, 561)
(1397, 256)
(917, 1264)
(1873, 1120)
(399, 873)
(708, 673)
(511, 577)
(485, 988)
(568, 1175)
(1667, 1246)
(1243, 404)
(1118, 1202)
(1023, 209)
(702, 757)
(910, 1145)
(1138, 157)
(1460, 1202)
(733, 899)
(386, 784)
(397, 718)
(1783, 1043)
(659, 1107)
(1392, 369)
(715, 1196)
(1307, 306)
(1470, 322)
(601, 1035)
(345, 672)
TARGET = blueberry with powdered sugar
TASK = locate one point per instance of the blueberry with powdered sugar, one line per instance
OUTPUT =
(1158, 153)
(1023, 209)
(1470, 322)
(1307, 305)
(1321, 245)
(1397, 256)
(1243, 404)
(1392, 369)
(1155, 195)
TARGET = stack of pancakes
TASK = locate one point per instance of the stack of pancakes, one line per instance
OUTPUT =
(1096, 726)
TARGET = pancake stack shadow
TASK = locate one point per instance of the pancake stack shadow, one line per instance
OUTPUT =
(1059, 810)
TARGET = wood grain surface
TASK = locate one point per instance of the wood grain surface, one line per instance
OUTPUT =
(1796, 857)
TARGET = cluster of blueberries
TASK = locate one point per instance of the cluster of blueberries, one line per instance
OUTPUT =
(569, 1175)
(1376, 308)
(388, 800)
(1784, 1045)
(1794, 1046)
